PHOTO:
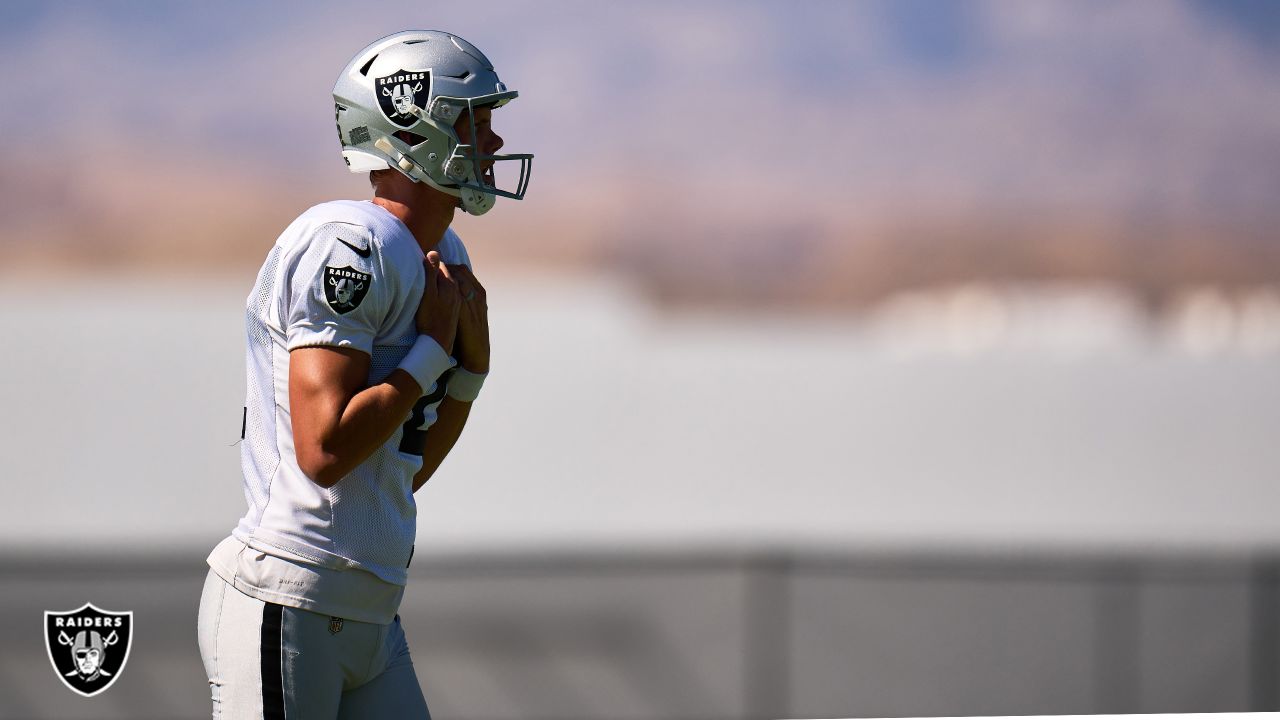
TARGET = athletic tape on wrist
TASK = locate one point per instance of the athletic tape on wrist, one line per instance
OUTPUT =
(465, 386)
(426, 361)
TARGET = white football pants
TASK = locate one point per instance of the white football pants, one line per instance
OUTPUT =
(270, 662)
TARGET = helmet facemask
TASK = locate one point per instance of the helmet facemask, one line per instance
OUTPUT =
(473, 171)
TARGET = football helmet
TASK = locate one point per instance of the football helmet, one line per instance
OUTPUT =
(416, 84)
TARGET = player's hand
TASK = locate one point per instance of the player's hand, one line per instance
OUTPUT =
(472, 347)
(438, 310)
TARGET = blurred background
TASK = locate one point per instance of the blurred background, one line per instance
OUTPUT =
(850, 358)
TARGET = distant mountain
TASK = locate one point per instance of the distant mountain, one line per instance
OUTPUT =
(826, 152)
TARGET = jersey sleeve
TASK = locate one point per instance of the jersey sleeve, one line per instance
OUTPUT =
(340, 293)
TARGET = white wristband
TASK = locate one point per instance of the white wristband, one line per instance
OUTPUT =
(426, 361)
(464, 386)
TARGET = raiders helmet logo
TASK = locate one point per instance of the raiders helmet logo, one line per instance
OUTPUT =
(398, 91)
(345, 288)
(88, 646)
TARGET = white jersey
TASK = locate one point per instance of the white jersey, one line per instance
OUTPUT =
(344, 274)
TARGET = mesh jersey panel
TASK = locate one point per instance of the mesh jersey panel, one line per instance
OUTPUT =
(259, 457)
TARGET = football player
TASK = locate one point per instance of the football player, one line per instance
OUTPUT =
(367, 342)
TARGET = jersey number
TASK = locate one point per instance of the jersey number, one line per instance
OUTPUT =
(413, 438)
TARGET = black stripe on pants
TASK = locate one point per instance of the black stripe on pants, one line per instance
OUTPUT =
(272, 667)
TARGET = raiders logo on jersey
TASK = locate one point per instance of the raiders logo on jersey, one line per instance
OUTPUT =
(345, 288)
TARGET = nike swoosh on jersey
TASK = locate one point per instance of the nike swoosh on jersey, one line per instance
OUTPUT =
(366, 252)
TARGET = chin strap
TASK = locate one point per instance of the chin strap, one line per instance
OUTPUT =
(403, 161)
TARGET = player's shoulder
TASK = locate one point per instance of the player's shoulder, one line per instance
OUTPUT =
(451, 249)
(354, 227)
(360, 218)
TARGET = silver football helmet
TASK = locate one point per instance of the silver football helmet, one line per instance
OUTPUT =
(420, 82)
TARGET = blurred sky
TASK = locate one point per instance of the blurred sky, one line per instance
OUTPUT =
(827, 137)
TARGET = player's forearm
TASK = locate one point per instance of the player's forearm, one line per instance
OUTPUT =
(451, 417)
(359, 428)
